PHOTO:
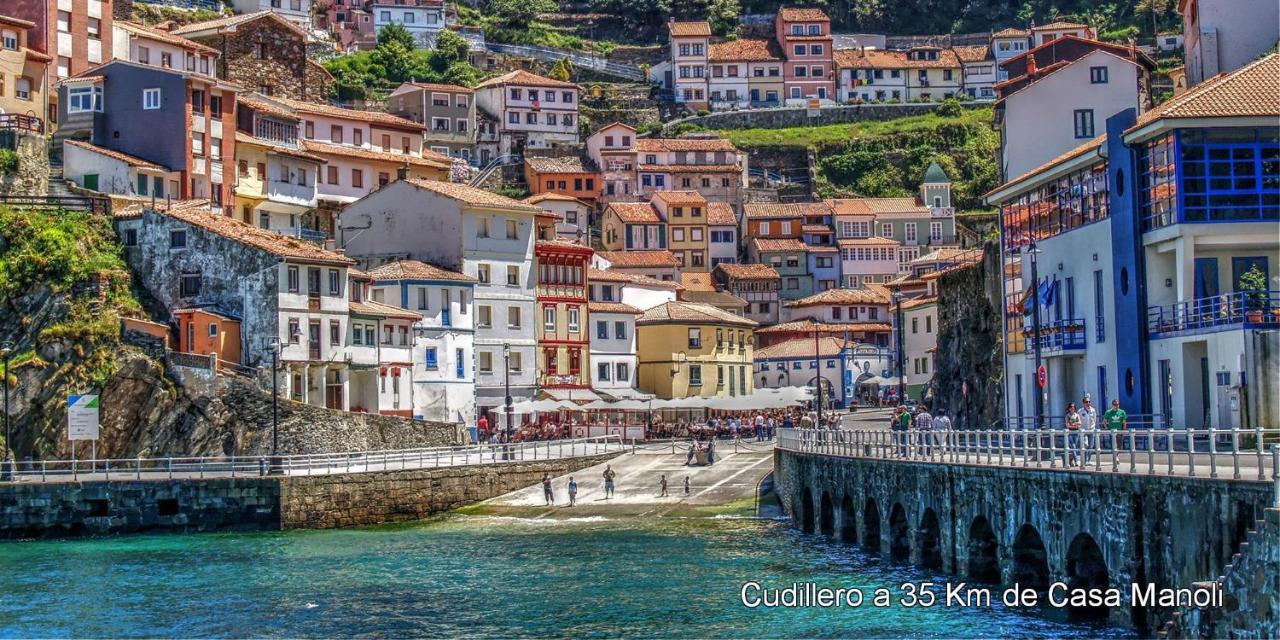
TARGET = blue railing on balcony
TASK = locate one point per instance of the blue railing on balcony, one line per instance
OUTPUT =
(1217, 313)
(1062, 335)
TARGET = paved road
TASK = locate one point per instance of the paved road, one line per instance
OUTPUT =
(732, 479)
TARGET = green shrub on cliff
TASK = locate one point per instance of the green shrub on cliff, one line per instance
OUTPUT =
(57, 249)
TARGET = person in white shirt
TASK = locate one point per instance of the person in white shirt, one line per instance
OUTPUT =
(1088, 425)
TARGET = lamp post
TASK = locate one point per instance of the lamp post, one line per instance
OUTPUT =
(507, 408)
(898, 347)
(276, 465)
(817, 365)
(6, 467)
(1033, 251)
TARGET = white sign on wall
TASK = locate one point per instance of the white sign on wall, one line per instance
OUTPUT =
(82, 417)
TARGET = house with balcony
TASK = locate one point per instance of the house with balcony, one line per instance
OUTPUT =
(689, 44)
(488, 237)
(757, 284)
(745, 73)
(613, 349)
(265, 52)
(869, 304)
(423, 19)
(564, 320)
(75, 35)
(632, 226)
(565, 175)
(1046, 33)
(380, 375)
(612, 150)
(1007, 44)
(447, 111)
(686, 214)
(162, 123)
(789, 257)
(869, 230)
(529, 111)
(27, 70)
(442, 372)
(657, 264)
(694, 350)
(276, 179)
(804, 35)
(978, 71)
(775, 220)
(709, 165)
(722, 233)
(1132, 274)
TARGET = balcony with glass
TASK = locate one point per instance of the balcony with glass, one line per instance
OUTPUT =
(1210, 176)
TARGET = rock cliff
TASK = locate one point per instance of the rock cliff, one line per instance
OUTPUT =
(968, 381)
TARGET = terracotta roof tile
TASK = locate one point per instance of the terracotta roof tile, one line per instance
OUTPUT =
(873, 241)
(164, 36)
(762, 211)
(719, 299)
(608, 275)
(197, 213)
(468, 194)
(976, 53)
(878, 206)
(838, 297)
(258, 103)
(1058, 26)
(1010, 32)
(696, 281)
(373, 117)
(634, 212)
(428, 159)
(416, 270)
(807, 326)
(551, 195)
(816, 228)
(524, 78)
(739, 271)
(612, 307)
(657, 145)
(432, 86)
(797, 348)
(692, 312)
(798, 14)
(680, 197)
(688, 168)
(275, 147)
(721, 214)
(1252, 91)
(779, 244)
(380, 310)
(236, 20)
(917, 302)
(631, 259)
(566, 164)
(883, 59)
(689, 29)
(132, 161)
(745, 50)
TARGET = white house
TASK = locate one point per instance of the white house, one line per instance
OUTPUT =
(443, 358)
(423, 19)
(613, 348)
(296, 11)
(919, 343)
(115, 172)
(573, 216)
(1224, 35)
(529, 111)
(638, 291)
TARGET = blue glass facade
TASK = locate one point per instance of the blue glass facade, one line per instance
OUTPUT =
(1210, 175)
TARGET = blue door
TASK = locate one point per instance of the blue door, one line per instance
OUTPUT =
(1206, 284)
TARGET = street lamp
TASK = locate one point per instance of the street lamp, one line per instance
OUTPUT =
(898, 347)
(1034, 251)
(817, 365)
(506, 361)
(6, 467)
(276, 465)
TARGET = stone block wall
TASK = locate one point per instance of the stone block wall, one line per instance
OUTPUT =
(98, 508)
(782, 117)
(349, 500)
(32, 176)
(285, 68)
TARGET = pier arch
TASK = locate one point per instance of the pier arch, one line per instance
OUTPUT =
(806, 510)
(848, 521)
(826, 516)
(1087, 569)
(871, 527)
(899, 534)
(1030, 561)
(984, 552)
(930, 540)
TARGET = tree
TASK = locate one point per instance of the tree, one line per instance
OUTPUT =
(562, 70)
(395, 32)
(723, 16)
(450, 48)
(395, 59)
(518, 13)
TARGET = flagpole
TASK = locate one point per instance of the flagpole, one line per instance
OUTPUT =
(1035, 337)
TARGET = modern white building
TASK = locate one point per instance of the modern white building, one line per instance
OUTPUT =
(423, 19)
(443, 357)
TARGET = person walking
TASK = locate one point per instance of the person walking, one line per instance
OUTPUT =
(787, 422)
(924, 424)
(686, 485)
(609, 475)
(941, 430)
(573, 491)
(547, 493)
(1073, 433)
(1116, 421)
(1088, 425)
(904, 427)
(662, 482)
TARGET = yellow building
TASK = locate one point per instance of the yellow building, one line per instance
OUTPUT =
(686, 216)
(23, 72)
(688, 349)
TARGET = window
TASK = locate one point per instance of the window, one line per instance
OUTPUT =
(623, 372)
(513, 317)
(178, 239)
(909, 231)
(333, 175)
(516, 361)
(292, 279)
(335, 133)
(485, 362)
(574, 326)
(357, 178)
(335, 333)
(602, 330)
(1098, 75)
(512, 230)
(602, 371)
(935, 231)
(620, 330)
(431, 359)
(695, 338)
(513, 275)
(695, 375)
(1084, 123)
(151, 99)
(11, 40)
(334, 282)
(484, 316)
(482, 273)
(22, 90)
(189, 285)
(549, 318)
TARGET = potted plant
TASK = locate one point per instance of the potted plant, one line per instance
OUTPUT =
(1253, 289)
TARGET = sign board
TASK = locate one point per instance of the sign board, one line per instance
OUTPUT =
(1042, 377)
(813, 108)
(82, 417)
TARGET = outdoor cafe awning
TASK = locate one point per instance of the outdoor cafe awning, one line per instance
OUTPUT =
(761, 399)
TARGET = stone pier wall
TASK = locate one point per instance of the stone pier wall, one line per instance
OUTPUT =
(67, 509)
(1008, 525)
(330, 502)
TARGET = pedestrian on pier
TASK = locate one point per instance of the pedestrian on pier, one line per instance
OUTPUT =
(1117, 420)
(573, 491)
(924, 424)
(942, 430)
(547, 493)
(662, 483)
(609, 475)
(1088, 425)
(1073, 433)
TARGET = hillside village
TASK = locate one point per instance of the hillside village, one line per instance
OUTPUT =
(406, 217)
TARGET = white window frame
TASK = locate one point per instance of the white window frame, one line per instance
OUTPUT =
(151, 98)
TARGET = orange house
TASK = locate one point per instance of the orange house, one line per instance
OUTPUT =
(568, 176)
(207, 332)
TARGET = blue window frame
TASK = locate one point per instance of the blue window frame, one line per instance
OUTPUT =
(432, 361)
(1220, 175)
(460, 369)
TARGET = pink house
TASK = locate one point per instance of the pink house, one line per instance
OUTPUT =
(805, 38)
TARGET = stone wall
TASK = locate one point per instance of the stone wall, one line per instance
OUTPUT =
(328, 502)
(99, 508)
(970, 345)
(782, 117)
(285, 69)
(1025, 525)
(32, 176)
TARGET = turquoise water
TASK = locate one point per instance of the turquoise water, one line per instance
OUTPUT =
(469, 576)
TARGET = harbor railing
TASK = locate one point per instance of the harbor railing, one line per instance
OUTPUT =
(1237, 454)
(316, 464)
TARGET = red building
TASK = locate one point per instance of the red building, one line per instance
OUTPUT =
(805, 38)
(564, 333)
(75, 33)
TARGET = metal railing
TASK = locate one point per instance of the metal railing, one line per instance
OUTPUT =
(1061, 335)
(317, 464)
(1246, 309)
(1238, 454)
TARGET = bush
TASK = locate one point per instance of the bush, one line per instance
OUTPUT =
(950, 108)
(8, 161)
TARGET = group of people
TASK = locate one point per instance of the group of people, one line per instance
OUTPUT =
(1084, 421)
(921, 422)
(609, 477)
